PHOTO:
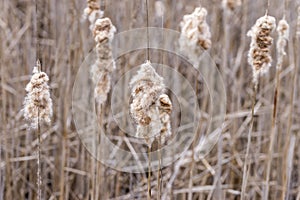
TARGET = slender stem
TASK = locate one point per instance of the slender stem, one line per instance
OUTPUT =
(39, 178)
(149, 173)
(192, 166)
(273, 131)
(286, 4)
(147, 21)
(97, 178)
(159, 170)
(246, 163)
(36, 32)
(290, 117)
(149, 147)
(268, 5)
(102, 5)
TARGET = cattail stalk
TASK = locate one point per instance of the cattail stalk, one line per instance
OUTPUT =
(38, 109)
(283, 32)
(296, 62)
(103, 31)
(101, 70)
(259, 57)
(150, 109)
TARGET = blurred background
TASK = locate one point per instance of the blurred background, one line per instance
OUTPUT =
(56, 33)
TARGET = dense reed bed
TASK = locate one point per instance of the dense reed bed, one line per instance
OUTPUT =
(254, 152)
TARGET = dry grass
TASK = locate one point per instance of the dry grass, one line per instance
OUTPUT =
(63, 40)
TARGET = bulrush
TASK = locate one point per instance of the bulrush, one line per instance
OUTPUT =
(37, 103)
(150, 107)
(103, 33)
(259, 56)
(195, 34)
(92, 12)
(283, 32)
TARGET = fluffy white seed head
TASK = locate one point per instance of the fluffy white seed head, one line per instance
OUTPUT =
(38, 103)
(149, 104)
(195, 34)
(104, 30)
(259, 56)
(146, 86)
(101, 70)
(283, 36)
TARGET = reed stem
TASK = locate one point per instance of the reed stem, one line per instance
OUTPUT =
(247, 163)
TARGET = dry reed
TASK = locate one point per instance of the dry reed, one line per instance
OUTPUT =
(38, 109)
(66, 164)
(283, 32)
(259, 57)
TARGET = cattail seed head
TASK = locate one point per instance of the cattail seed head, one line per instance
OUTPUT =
(150, 108)
(37, 103)
(283, 32)
(259, 56)
(104, 30)
(101, 70)
(195, 34)
(146, 87)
